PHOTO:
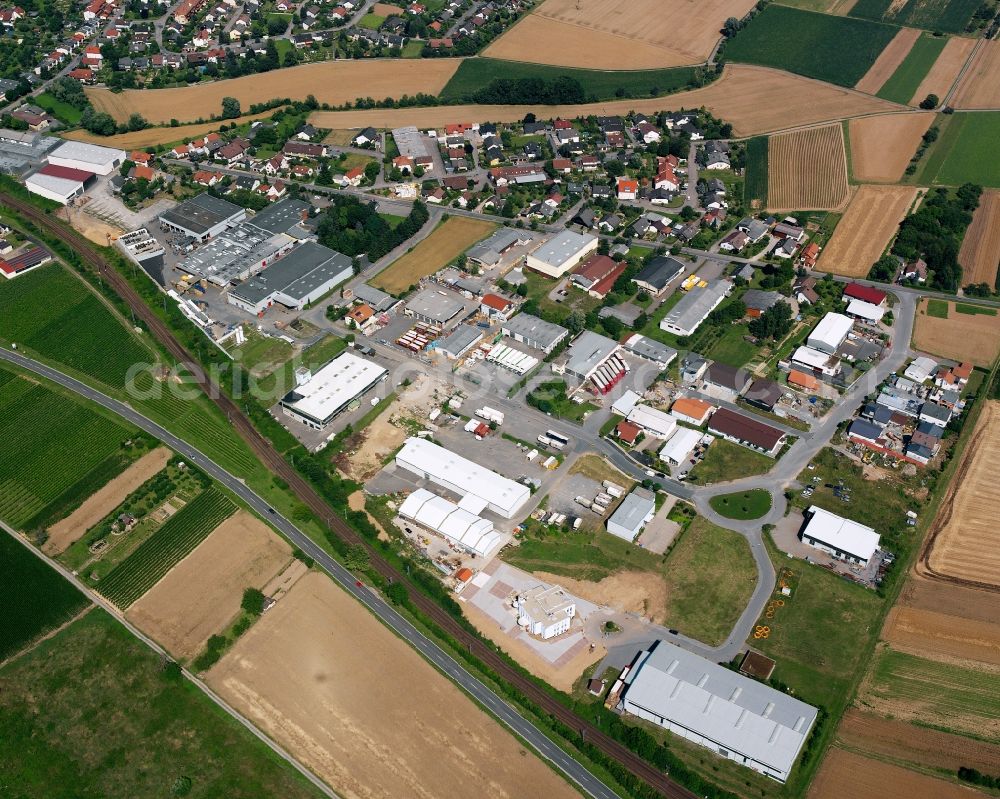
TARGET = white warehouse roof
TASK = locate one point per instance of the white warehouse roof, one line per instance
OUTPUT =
(438, 514)
(843, 534)
(831, 331)
(676, 448)
(424, 458)
(102, 159)
(865, 310)
(807, 356)
(333, 387)
(653, 421)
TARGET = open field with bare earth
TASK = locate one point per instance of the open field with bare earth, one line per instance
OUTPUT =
(898, 740)
(962, 337)
(979, 87)
(946, 68)
(201, 595)
(870, 222)
(104, 500)
(387, 10)
(844, 774)
(364, 711)
(151, 137)
(618, 34)
(333, 82)
(807, 170)
(882, 146)
(453, 237)
(888, 61)
(980, 253)
(753, 99)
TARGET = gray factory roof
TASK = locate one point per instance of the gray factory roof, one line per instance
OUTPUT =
(490, 250)
(589, 351)
(650, 348)
(460, 339)
(200, 214)
(410, 142)
(696, 304)
(435, 304)
(376, 298)
(534, 329)
(561, 247)
(632, 513)
(280, 217)
(301, 271)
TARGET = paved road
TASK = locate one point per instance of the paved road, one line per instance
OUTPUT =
(577, 773)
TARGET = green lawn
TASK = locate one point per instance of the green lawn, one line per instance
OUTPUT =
(92, 712)
(551, 398)
(965, 151)
(581, 554)
(903, 83)
(838, 50)
(64, 112)
(731, 348)
(261, 354)
(371, 21)
(412, 49)
(743, 504)
(728, 461)
(938, 308)
(973, 310)
(279, 381)
(393, 220)
(282, 46)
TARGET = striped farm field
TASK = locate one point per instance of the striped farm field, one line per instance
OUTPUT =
(980, 253)
(867, 227)
(807, 170)
(178, 536)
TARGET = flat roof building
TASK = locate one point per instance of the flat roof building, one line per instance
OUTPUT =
(743, 430)
(436, 307)
(739, 718)
(840, 537)
(653, 421)
(87, 157)
(545, 611)
(202, 217)
(678, 447)
(535, 332)
(830, 333)
(693, 309)
(632, 515)
(319, 398)
(561, 253)
(490, 251)
(462, 339)
(649, 349)
(300, 277)
(61, 184)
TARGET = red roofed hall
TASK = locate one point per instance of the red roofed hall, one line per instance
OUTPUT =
(864, 293)
(746, 431)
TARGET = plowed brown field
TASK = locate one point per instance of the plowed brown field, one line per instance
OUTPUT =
(980, 253)
(845, 774)
(753, 99)
(979, 87)
(888, 61)
(942, 75)
(870, 222)
(364, 711)
(333, 82)
(882, 146)
(807, 170)
(961, 337)
(618, 34)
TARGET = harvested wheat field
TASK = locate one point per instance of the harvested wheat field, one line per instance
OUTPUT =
(807, 170)
(897, 740)
(942, 74)
(151, 137)
(618, 34)
(980, 253)
(333, 82)
(966, 537)
(888, 61)
(979, 87)
(873, 779)
(753, 99)
(867, 227)
(961, 337)
(104, 500)
(361, 709)
(882, 145)
(202, 593)
(453, 237)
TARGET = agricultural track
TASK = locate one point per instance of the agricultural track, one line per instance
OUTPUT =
(306, 494)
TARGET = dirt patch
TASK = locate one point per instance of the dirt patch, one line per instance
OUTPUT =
(961, 337)
(619, 34)
(151, 137)
(96, 230)
(980, 253)
(202, 594)
(753, 99)
(282, 582)
(629, 591)
(940, 636)
(873, 779)
(882, 146)
(104, 500)
(387, 10)
(807, 169)
(942, 74)
(364, 711)
(333, 82)
(979, 87)
(867, 227)
(888, 61)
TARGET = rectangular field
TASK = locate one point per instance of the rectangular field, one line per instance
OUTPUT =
(755, 187)
(839, 50)
(807, 170)
(969, 143)
(453, 237)
(949, 16)
(867, 227)
(888, 62)
(618, 34)
(978, 87)
(962, 337)
(873, 779)
(902, 85)
(882, 145)
(945, 70)
(980, 253)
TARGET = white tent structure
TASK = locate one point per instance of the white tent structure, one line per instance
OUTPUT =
(449, 520)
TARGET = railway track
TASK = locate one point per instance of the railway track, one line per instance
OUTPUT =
(304, 491)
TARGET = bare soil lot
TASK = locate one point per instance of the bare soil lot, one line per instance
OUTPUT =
(979, 87)
(888, 61)
(870, 222)
(873, 779)
(332, 82)
(102, 502)
(367, 714)
(642, 592)
(202, 594)
(753, 99)
(807, 169)
(618, 34)
(980, 253)
(962, 337)
(387, 10)
(942, 75)
(882, 146)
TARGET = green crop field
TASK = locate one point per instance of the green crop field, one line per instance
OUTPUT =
(908, 76)
(141, 570)
(966, 151)
(52, 445)
(838, 50)
(755, 186)
(36, 598)
(948, 16)
(476, 73)
(92, 712)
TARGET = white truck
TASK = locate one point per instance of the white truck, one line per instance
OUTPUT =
(490, 415)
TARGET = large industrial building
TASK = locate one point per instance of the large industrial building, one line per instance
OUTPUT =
(741, 719)
(693, 309)
(561, 253)
(436, 308)
(452, 521)
(478, 485)
(490, 252)
(830, 333)
(534, 332)
(302, 276)
(587, 352)
(840, 537)
(87, 157)
(319, 398)
(59, 183)
(203, 217)
(633, 514)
